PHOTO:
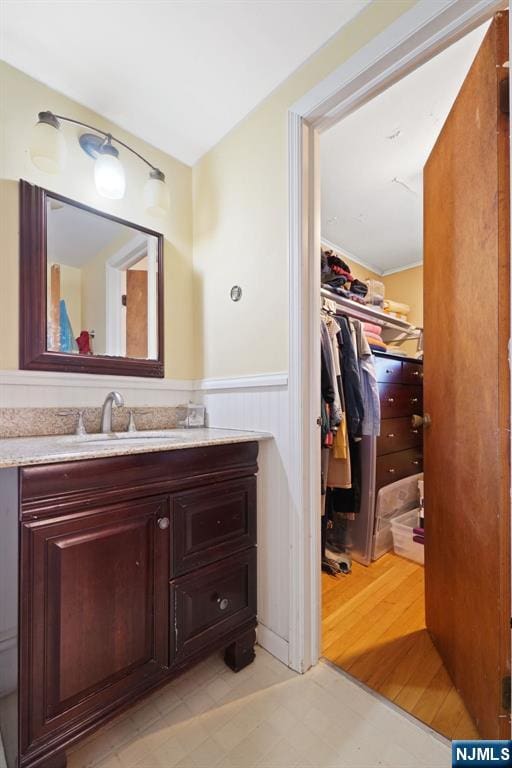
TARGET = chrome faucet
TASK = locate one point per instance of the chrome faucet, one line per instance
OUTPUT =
(106, 411)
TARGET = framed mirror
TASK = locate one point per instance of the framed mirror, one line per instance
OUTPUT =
(91, 289)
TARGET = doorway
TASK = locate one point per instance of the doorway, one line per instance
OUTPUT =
(440, 631)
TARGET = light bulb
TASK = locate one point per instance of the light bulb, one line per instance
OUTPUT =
(109, 175)
(47, 145)
(156, 195)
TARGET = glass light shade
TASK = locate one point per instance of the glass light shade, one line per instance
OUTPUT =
(47, 148)
(156, 197)
(109, 177)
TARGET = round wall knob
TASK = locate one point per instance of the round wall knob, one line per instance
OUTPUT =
(223, 603)
(163, 523)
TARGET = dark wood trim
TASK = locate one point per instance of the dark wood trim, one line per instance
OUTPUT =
(32, 339)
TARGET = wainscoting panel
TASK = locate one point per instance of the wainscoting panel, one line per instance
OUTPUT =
(264, 408)
(19, 389)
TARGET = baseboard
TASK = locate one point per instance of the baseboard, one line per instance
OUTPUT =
(272, 643)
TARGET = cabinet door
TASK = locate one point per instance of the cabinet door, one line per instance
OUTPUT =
(95, 618)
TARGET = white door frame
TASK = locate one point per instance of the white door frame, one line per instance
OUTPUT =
(129, 254)
(416, 36)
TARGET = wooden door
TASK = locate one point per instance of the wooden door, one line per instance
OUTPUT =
(466, 389)
(137, 313)
(96, 586)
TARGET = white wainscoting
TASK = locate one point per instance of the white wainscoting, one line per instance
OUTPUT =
(264, 407)
(34, 389)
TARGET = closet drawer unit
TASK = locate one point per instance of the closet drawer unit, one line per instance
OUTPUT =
(412, 373)
(388, 369)
(211, 523)
(211, 602)
(400, 400)
(394, 466)
(398, 435)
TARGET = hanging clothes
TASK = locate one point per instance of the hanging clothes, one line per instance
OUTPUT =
(369, 386)
(351, 378)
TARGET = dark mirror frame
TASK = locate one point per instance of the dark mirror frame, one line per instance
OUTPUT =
(34, 355)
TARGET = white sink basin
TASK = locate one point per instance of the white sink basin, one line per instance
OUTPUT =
(168, 436)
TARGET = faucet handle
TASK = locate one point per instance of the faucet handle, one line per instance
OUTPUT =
(132, 427)
(80, 426)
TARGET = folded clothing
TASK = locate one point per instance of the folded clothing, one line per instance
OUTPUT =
(396, 306)
(376, 344)
(419, 539)
(376, 330)
(373, 337)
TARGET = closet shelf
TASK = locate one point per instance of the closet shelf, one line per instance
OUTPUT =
(393, 329)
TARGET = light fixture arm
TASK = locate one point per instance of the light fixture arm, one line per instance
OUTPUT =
(51, 118)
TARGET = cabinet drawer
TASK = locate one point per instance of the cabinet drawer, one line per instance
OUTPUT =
(211, 523)
(388, 369)
(400, 400)
(398, 435)
(412, 373)
(211, 602)
(394, 466)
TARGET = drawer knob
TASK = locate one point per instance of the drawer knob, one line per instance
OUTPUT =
(415, 462)
(163, 523)
(223, 603)
(391, 400)
(415, 431)
(416, 373)
(391, 435)
(414, 400)
(391, 471)
(388, 370)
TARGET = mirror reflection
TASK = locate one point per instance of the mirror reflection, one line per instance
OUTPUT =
(102, 285)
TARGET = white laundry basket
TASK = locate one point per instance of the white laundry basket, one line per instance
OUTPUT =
(403, 544)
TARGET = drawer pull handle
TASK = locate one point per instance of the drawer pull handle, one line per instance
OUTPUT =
(414, 400)
(415, 431)
(391, 400)
(416, 373)
(389, 370)
(391, 471)
(163, 523)
(391, 435)
(223, 603)
(415, 462)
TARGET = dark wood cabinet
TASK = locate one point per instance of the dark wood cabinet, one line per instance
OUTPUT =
(132, 569)
(96, 606)
(400, 445)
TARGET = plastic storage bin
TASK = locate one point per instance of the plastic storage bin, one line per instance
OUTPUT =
(402, 529)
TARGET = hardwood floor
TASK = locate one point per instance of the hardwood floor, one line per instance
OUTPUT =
(373, 627)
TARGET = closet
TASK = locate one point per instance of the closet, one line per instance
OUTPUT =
(372, 401)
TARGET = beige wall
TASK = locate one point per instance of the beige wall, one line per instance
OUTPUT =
(407, 287)
(21, 98)
(240, 194)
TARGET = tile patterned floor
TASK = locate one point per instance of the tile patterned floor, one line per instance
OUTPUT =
(265, 716)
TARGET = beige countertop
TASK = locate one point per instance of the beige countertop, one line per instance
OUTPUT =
(26, 451)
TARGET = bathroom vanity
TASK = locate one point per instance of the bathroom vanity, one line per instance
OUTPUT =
(123, 571)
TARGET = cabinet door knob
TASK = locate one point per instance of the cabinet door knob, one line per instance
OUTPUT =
(163, 523)
(223, 603)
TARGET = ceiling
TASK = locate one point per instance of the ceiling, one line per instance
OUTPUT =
(176, 73)
(372, 162)
(76, 236)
